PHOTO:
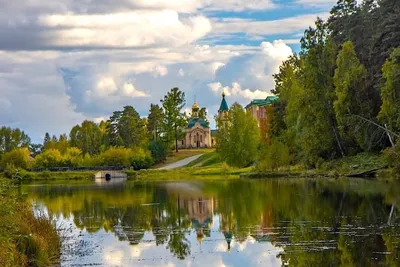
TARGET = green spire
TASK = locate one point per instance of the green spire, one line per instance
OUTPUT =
(224, 106)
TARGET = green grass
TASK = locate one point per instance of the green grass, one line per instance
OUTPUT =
(208, 159)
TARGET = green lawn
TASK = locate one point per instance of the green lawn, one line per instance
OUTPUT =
(182, 154)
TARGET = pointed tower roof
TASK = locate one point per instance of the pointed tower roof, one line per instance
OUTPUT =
(224, 106)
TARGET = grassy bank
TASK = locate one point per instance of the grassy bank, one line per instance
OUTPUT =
(25, 240)
(182, 154)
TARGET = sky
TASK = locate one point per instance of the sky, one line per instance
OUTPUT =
(65, 61)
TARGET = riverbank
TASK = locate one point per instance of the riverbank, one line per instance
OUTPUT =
(362, 165)
(25, 239)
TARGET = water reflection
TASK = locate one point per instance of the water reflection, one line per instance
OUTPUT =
(234, 223)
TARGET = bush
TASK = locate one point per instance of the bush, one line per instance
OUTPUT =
(274, 156)
(49, 158)
(116, 157)
(392, 157)
(73, 157)
(159, 151)
(141, 159)
(18, 158)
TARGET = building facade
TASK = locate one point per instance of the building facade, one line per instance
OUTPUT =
(257, 107)
(198, 133)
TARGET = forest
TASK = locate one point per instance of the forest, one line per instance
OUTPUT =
(340, 95)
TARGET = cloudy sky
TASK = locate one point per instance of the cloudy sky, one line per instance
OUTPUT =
(68, 60)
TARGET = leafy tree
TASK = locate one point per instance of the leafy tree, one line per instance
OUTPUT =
(18, 158)
(46, 139)
(174, 120)
(352, 97)
(274, 155)
(159, 150)
(131, 128)
(154, 121)
(12, 138)
(49, 158)
(390, 92)
(203, 114)
(126, 128)
(87, 137)
(239, 139)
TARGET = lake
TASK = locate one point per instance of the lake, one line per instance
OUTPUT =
(274, 222)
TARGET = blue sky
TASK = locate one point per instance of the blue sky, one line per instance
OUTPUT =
(65, 61)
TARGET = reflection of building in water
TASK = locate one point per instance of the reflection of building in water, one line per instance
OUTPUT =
(200, 211)
(227, 226)
(261, 234)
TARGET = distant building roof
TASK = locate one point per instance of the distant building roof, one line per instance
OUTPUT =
(263, 102)
(214, 132)
(193, 121)
(224, 106)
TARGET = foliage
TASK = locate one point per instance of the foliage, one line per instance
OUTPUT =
(116, 157)
(87, 137)
(239, 138)
(390, 92)
(392, 157)
(351, 96)
(274, 156)
(18, 158)
(174, 119)
(159, 151)
(154, 121)
(12, 138)
(127, 129)
(26, 240)
(49, 158)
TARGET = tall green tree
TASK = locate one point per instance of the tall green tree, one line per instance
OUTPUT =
(390, 92)
(174, 119)
(351, 95)
(131, 128)
(87, 137)
(154, 121)
(239, 138)
(12, 138)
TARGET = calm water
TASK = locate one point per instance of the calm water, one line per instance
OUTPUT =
(273, 222)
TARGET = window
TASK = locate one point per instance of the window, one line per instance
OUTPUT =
(183, 143)
(201, 138)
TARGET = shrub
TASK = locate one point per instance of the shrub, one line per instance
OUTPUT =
(116, 156)
(141, 159)
(72, 157)
(49, 158)
(159, 151)
(274, 156)
(19, 158)
(392, 157)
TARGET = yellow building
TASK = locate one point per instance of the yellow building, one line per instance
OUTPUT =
(198, 133)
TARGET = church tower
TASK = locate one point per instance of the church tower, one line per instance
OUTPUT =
(195, 110)
(223, 110)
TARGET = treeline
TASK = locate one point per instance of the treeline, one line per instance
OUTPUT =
(339, 96)
(124, 140)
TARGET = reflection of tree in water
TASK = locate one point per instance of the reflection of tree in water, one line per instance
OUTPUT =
(317, 223)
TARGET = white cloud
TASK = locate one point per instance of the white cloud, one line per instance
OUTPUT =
(130, 29)
(323, 3)
(181, 73)
(236, 90)
(265, 27)
(130, 90)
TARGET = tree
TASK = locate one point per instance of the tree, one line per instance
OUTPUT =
(154, 121)
(126, 128)
(390, 92)
(351, 94)
(87, 137)
(239, 138)
(203, 114)
(12, 138)
(18, 158)
(174, 120)
(46, 139)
